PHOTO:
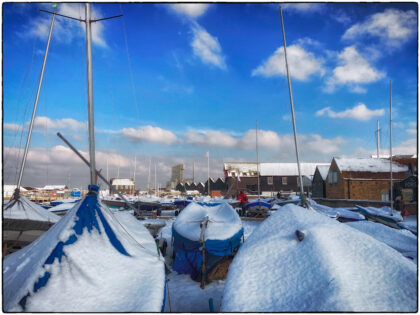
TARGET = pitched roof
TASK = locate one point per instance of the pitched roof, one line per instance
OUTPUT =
(323, 170)
(368, 165)
(273, 169)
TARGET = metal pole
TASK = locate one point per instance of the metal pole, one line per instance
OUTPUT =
(208, 172)
(390, 141)
(193, 174)
(377, 140)
(258, 164)
(148, 177)
(28, 139)
(293, 111)
(90, 96)
(96, 172)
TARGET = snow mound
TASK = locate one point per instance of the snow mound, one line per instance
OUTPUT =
(92, 260)
(23, 209)
(224, 221)
(335, 268)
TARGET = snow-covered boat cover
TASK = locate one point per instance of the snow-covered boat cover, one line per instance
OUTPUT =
(23, 209)
(92, 260)
(334, 268)
(224, 221)
(62, 207)
(383, 212)
(222, 236)
(336, 212)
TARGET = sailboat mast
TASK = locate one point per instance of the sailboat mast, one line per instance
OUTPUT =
(377, 140)
(28, 139)
(258, 163)
(293, 111)
(390, 141)
(90, 96)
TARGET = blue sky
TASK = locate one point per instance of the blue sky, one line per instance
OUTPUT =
(172, 81)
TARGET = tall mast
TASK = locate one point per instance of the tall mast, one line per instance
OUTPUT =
(208, 172)
(148, 177)
(293, 112)
(390, 141)
(193, 174)
(28, 139)
(258, 163)
(90, 96)
(377, 140)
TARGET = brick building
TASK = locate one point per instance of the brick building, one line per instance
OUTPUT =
(362, 179)
(274, 177)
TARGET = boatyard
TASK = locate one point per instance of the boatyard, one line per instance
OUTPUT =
(210, 157)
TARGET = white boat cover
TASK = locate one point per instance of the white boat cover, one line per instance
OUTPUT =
(92, 260)
(335, 268)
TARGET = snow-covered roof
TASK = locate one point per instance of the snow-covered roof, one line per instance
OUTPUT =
(368, 165)
(224, 221)
(92, 260)
(11, 189)
(288, 169)
(54, 187)
(122, 181)
(351, 271)
(23, 209)
(323, 170)
(272, 169)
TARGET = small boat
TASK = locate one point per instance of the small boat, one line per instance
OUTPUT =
(62, 208)
(205, 236)
(147, 205)
(299, 260)
(60, 201)
(340, 214)
(381, 215)
(257, 207)
(23, 222)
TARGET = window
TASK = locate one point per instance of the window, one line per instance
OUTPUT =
(233, 174)
(385, 196)
(332, 177)
(284, 180)
(270, 180)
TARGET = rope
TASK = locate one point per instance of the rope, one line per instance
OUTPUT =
(169, 294)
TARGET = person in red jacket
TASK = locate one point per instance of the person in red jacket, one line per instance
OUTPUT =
(244, 200)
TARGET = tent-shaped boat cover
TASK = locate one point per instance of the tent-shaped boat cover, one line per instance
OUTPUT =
(90, 261)
(24, 210)
(335, 268)
(222, 236)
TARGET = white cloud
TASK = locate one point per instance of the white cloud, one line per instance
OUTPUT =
(13, 127)
(406, 147)
(353, 69)
(303, 7)
(413, 128)
(66, 30)
(43, 123)
(149, 134)
(209, 138)
(359, 112)
(207, 48)
(192, 10)
(302, 64)
(394, 27)
(315, 143)
(341, 17)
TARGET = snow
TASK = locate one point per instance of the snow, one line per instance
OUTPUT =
(224, 221)
(54, 187)
(409, 223)
(323, 170)
(23, 209)
(92, 276)
(335, 268)
(368, 165)
(288, 169)
(67, 200)
(401, 240)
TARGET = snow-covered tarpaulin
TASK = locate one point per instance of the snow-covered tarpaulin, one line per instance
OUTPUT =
(222, 236)
(23, 209)
(335, 268)
(90, 261)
